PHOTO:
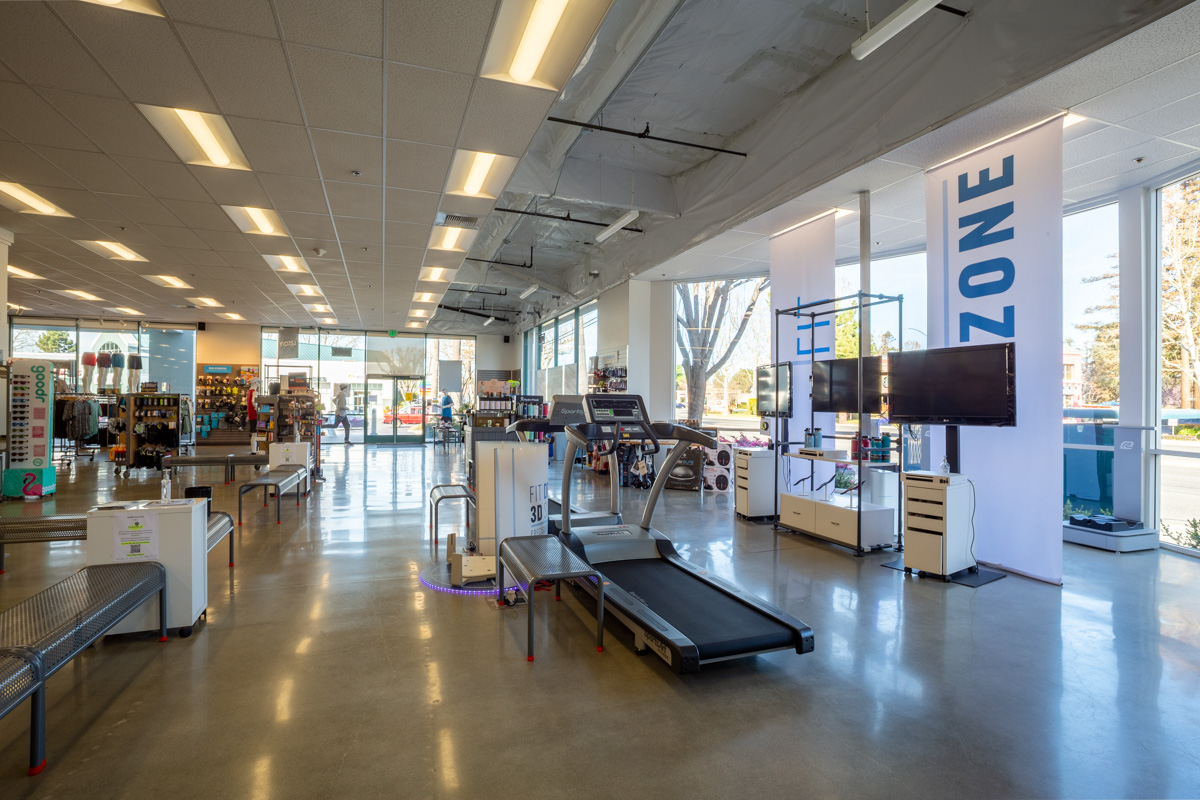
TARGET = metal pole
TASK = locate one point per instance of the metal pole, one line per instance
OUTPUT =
(775, 427)
(864, 269)
(858, 550)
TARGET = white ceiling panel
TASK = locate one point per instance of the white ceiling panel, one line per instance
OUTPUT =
(340, 92)
(248, 76)
(164, 179)
(1101, 143)
(202, 258)
(1164, 121)
(142, 210)
(200, 216)
(503, 117)
(71, 228)
(37, 46)
(404, 234)
(21, 164)
(420, 167)
(273, 147)
(116, 126)
(361, 231)
(410, 206)
(355, 26)
(231, 241)
(340, 154)
(309, 226)
(245, 16)
(448, 34)
(1146, 93)
(31, 119)
(141, 53)
(355, 200)
(231, 187)
(1153, 152)
(398, 256)
(175, 237)
(440, 96)
(295, 194)
(96, 171)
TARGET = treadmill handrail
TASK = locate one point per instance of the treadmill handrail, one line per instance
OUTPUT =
(526, 426)
(682, 433)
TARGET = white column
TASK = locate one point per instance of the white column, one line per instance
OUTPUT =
(6, 241)
(660, 395)
(864, 268)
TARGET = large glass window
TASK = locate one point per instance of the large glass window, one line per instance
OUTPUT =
(55, 342)
(547, 344)
(1178, 465)
(589, 316)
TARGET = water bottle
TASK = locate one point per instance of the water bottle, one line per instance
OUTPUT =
(166, 486)
(945, 465)
(816, 435)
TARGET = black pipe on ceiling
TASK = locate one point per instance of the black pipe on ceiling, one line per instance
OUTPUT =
(473, 312)
(567, 218)
(645, 134)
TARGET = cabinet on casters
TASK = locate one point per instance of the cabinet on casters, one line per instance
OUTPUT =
(937, 523)
(754, 482)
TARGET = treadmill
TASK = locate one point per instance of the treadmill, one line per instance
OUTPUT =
(683, 613)
(566, 409)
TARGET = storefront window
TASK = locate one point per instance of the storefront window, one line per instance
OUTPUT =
(53, 342)
(588, 317)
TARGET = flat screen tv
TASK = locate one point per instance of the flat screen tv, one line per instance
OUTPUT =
(772, 401)
(835, 385)
(954, 386)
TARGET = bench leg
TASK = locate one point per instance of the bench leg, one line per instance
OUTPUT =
(435, 522)
(37, 729)
(278, 510)
(599, 614)
(230, 536)
(162, 614)
(240, 496)
(529, 595)
(1, 558)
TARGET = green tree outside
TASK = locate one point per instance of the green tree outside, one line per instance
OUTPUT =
(55, 342)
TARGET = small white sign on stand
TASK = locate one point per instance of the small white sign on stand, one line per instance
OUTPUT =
(135, 536)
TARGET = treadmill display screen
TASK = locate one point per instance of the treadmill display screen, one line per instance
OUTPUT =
(616, 408)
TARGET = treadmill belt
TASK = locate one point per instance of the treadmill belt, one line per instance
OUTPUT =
(718, 624)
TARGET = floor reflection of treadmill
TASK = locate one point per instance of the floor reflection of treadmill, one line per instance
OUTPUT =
(683, 613)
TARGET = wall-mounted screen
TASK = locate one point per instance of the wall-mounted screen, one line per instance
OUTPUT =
(835, 385)
(954, 385)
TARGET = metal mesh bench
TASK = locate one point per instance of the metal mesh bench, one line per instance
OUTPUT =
(57, 528)
(244, 460)
(449, 491)
(533, 559)
(55, 625)
(220, 525)
(280, 480)
(172, 463)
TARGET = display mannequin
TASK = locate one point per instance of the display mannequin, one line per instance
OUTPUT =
(89, 368)
(103, 364)
(118, 366)
(135, 371)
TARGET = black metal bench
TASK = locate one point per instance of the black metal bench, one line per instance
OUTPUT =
(52, 627)
(255, 460)
(56, 528)
(280, 480)
(171, 463)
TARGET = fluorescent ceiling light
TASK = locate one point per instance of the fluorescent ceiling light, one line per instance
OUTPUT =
(1072, 119)
(488, 321)
(805, 222)
(479, 172)
(171, 281)
(413, 324)
(120, 251)
(329, 320)
(436, 274)
(895, 22)
(290, 263)
(231, 315)
(308, 290)
(543, 21)
(198, 128)
(844, 212)
(207, 302)
(22, 273)
(451, 238)
(626, 218)
(16, 307)
(35, 203)
(423, 297)
(82, 295)
(260, 219)
(319, 309)
(419, 312)
(150, 7)
(127, 310)
(528, 291)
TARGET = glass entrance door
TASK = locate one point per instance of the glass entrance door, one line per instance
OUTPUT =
(395, 411)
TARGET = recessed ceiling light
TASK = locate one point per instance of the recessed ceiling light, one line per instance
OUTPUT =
(207, 302)
(133, 312)
(231, 315)
(415, 324)
(34, 203)
(319, 309)
(1073, 119)
(169, 281)
(543, 21)
(198, 128)
(22, 273)
(82, 295)
(438, 274)
(17, 307)
(119, 251)
(259, 221)
(290, 263)
(329, 320)
(423, 297)
(479, 172)
(451, 238)
(419, 312)
(150, 7)
(308, 290)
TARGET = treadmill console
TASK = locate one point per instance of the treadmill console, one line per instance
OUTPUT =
(567, 409)
(615, 408)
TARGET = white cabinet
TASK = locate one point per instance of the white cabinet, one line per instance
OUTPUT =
(937, 523)
(836, 521)
(176, 535)
(754, 482)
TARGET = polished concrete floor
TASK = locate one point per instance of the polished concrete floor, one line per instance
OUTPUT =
(326, 669)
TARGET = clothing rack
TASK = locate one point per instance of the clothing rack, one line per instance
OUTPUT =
(75, 436)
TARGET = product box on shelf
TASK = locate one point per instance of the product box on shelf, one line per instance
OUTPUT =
(716, 479)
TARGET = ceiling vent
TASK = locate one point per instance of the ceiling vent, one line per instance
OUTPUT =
(456, 221)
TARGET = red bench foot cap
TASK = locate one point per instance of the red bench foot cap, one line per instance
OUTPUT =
(38, 768)
(599, 648)
(162, 638)
(529, 658)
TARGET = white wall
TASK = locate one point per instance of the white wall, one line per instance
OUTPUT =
(612, 325)
(229, 343)
(492, 353)
(660, 390)
(639, 315)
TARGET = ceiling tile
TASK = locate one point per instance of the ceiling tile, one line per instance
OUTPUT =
(165, 179)
(467, 206)
(245, 16)
(96, 171)
(360, 231)
(71, 228)
(21, 164)
(231, 241)
(397, 256)
(39, 47)
(1145, 93)
(340, 154)
(355, 26)
(84, 205)
(309, 226)
(142, 210)
(426, 105)
(175, 237)
(115, 125)
(340, 92)
(409, 206)
(295, 194)
(31, 119)
(503, 117)
(231, 187)
(202, 258)
(421, 167)
(1167, 119)
(354, 200)
(249, 76)
(205, 216)
(141, 53)
(275, 147)
(449, 34)
(404, 234)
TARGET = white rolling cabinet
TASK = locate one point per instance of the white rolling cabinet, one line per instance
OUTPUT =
(754, 482)
(836, 521)
(174, 533)
(937, 523)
